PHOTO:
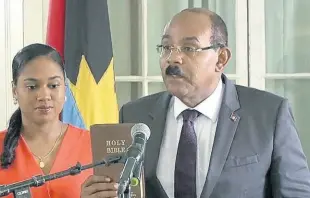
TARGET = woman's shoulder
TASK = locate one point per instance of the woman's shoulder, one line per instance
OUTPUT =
(76, 129)
(2, 135)
(78, 133)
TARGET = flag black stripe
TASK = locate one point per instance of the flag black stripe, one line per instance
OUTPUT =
(87, 32)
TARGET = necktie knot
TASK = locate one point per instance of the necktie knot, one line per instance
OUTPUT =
(190, 115)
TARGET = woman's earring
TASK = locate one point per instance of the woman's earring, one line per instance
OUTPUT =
(15, 100)
(65, 98)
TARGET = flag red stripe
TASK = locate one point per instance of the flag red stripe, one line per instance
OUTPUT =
(55, 33)
(56, 25)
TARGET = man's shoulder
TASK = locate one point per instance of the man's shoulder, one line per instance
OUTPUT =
(138, 110)
(257, 94)
(145, 101)
(260, 101)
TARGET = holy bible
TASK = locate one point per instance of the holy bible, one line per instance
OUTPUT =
(109, 140)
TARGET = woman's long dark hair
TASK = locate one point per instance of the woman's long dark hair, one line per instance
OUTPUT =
(20, 60)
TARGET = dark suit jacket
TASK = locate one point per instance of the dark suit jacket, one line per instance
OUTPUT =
(256, 154)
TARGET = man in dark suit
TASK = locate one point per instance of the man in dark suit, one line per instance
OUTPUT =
(209, 137)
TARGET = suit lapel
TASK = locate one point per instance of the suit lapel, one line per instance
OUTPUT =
(226, 127)
(157, 123)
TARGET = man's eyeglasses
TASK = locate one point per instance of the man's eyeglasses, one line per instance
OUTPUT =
(165, 51)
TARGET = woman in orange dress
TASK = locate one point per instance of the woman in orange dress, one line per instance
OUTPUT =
(36, 142)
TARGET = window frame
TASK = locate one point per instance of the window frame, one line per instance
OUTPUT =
(11, 37)
(257, 51)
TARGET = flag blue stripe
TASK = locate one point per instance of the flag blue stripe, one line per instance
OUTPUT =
(71, 113)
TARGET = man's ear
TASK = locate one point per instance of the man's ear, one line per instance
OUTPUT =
(223, 58)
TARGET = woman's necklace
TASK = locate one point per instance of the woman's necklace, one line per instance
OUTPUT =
(41, 159)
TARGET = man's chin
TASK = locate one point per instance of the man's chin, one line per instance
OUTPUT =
(175, 82)
(177, 90)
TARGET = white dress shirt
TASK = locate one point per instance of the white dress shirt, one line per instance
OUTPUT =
(205, 127)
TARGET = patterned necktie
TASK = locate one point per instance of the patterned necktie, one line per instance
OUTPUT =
(185, 165)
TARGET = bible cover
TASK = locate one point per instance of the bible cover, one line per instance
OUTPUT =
(113, 139)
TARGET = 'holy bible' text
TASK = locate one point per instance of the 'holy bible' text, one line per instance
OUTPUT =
(115, 146)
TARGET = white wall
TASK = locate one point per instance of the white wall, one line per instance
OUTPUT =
(35, 20)
(21, 22)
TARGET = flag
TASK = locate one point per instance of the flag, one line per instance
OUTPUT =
(80, 31)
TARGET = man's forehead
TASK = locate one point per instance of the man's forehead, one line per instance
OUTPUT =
(186, 35)
(182, 39)
(187, 26)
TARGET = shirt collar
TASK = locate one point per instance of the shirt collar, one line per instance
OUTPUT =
(209, 107)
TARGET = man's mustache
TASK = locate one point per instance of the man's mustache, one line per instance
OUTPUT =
(174, 70)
